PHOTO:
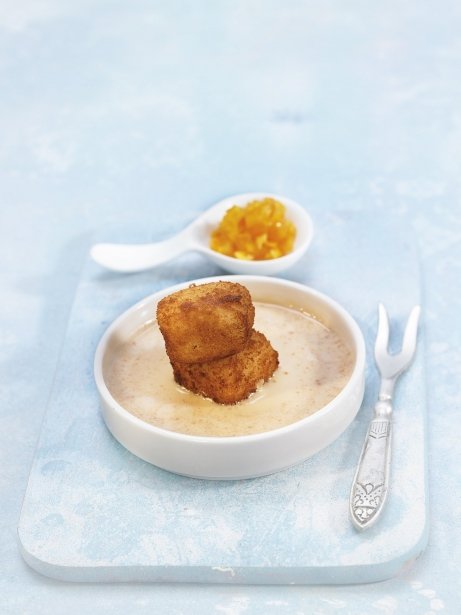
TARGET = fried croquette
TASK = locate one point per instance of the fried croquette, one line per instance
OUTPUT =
(206, 322)
(233, 378)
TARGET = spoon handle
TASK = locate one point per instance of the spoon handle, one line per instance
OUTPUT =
(128, 258)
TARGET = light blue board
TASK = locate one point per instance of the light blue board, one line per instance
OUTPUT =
(94, 512)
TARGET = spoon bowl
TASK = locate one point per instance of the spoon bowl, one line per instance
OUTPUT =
(129, 258)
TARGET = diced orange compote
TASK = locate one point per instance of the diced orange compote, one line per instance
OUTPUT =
(258, 231)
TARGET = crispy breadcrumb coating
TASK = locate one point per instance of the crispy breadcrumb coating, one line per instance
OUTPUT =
(206, 322)
(233, 378)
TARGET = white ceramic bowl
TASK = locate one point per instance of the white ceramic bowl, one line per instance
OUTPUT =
(239, 456)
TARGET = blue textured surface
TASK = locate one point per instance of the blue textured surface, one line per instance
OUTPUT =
(116, 113)
(93, 512)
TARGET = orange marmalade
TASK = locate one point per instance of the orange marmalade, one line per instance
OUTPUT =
(258, 231)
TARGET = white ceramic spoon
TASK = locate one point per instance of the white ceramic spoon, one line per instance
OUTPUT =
(131, 258)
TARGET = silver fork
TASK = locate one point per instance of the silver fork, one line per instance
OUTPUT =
(371, 481)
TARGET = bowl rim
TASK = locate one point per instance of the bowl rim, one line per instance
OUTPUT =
(124, 414)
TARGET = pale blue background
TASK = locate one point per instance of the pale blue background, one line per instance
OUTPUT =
(119, 113)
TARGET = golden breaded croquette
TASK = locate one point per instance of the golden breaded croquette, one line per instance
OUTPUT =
(229, 380)
(206, 322)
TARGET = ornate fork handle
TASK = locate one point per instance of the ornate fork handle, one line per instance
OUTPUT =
(371, 481)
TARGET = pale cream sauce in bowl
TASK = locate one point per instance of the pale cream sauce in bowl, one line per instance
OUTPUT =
(310, 400)
(314, 366)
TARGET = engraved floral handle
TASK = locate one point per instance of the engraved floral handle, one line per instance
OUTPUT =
(371, 481)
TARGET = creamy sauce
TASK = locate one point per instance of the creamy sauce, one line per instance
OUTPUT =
(315, 364)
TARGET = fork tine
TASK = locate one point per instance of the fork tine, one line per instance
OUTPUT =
(391, 365)
(382, 337)
(411, 330)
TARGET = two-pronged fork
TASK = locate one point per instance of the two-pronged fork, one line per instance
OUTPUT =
(371, 481)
